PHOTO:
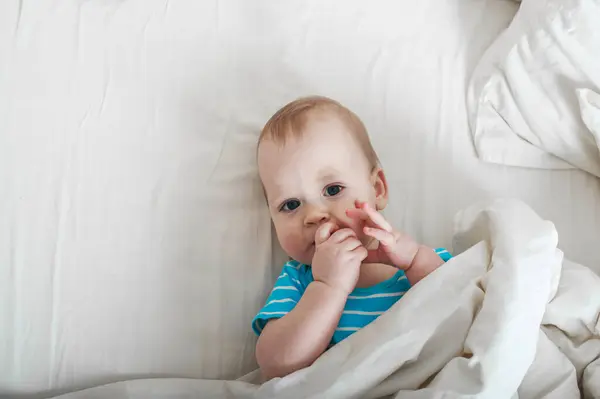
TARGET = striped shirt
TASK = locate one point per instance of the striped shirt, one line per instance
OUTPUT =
(362, 307)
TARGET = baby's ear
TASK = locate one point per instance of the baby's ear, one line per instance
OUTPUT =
(380, 187)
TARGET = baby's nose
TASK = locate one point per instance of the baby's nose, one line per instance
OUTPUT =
(316, 217)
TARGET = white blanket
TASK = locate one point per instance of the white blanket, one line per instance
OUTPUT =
(507, 318)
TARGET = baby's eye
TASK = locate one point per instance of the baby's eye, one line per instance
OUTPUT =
(289, 205)
(333, 190)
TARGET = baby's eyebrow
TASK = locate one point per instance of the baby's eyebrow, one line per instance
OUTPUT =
(329, 175)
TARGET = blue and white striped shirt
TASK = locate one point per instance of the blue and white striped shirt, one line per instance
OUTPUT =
(362, 307)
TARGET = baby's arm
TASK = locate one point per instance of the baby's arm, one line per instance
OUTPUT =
(297, 339)
(425, 261)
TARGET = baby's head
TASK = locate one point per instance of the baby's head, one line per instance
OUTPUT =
(315, 160)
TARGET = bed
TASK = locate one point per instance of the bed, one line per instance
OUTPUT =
(135, 243)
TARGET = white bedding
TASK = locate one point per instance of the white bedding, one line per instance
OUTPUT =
(134, 242)
(508, 318)
(534, 98)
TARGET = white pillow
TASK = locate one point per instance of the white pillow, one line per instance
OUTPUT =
(533, 98)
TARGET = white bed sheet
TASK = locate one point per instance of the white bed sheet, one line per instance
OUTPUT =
(134, 240)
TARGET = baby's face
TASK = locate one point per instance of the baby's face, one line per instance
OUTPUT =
(314, 179)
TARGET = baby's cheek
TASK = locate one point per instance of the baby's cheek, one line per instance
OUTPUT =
(291, 244)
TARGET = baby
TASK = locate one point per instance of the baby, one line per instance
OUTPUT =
(325, 187)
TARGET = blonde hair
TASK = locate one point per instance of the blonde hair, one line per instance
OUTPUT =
(291, 120)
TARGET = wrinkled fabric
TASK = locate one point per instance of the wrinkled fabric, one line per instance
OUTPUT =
(530, 98)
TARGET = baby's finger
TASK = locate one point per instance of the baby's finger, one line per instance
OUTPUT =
(376, 217)
(351, 243)
(324, 232)
(360, 252)
(357, 214)
(384, 237)
(342, 234)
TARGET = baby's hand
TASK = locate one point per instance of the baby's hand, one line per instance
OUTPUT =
(395, 248)
(338, 257)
